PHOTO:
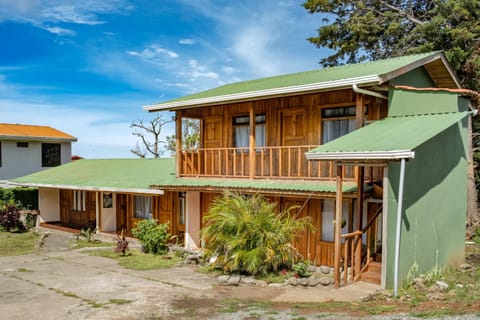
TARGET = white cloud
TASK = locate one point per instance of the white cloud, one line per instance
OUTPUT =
(186, 41)
(44, 13)
(153, 53)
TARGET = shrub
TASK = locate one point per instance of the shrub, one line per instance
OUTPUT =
(152, 236)
(301, 268)
(9, 217)
(247, 235)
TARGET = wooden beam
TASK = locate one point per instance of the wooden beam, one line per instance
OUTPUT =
(251, 160)
(338, 226)
(178, 143)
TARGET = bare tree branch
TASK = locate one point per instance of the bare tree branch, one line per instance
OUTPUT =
(145, 131)
(402, 12)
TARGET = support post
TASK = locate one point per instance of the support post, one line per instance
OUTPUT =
(178, 143)
(97, 212)
(338, 226)
(359, 110)
(251, 158)
(359, 210)
(399, 227)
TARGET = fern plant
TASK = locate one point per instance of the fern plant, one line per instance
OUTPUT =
(247, 235)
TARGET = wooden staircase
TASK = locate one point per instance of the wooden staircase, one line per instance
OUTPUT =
(372, 272)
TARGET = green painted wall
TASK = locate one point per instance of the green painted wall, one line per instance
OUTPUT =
(403, 102)
(435, 204)
(416, 78)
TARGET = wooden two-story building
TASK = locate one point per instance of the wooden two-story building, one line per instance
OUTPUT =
(254, 137)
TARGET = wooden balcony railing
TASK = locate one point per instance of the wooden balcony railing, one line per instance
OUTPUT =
(286, 162)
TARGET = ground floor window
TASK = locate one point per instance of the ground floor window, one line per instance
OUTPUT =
(79, 200)
(328, 216)
(181, 209)
(143, 207)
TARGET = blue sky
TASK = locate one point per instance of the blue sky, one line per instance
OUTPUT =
(88, 67)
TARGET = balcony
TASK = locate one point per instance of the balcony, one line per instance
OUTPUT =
(281, 162)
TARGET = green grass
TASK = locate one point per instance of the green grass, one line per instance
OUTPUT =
(14, 244)
(119, 301)
(138, 260)
(82, 243)
(24, 270)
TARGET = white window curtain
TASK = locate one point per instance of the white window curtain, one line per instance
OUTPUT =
(242, 134)
(328, 215)
(143, 207)
(79, 202)
(333, 129)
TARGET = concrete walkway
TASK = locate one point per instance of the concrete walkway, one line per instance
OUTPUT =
(60, 283)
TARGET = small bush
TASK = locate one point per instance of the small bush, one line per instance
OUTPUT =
(10, 218)
(301, 268)
(153, 236)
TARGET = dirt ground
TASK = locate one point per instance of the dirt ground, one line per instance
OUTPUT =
(60, 283)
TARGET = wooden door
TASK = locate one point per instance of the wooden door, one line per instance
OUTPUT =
(293, 133)
(121, 214)
(212, 138)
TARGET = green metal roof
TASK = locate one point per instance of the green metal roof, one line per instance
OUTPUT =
(129, 175)
(258, 184)
(389, 138)
(153, 175)
(362, 73)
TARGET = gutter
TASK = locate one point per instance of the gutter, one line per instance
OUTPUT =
(374, 155)
(88, 188)
(368, 92)
(398, 228)
(370, 79)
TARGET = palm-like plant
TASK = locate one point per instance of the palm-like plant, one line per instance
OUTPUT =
(248, 236)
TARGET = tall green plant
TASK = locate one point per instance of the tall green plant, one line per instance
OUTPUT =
(247, 235)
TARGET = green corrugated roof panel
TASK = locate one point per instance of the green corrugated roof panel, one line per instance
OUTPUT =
(375, 68)
(105, 173)
(391, 134)
(260, 184)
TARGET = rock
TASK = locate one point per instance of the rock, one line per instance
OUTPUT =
(324, 281)
(325, 269)
(303, 282)
(442, 285)
(435, 296)
(192, 259)
(248, 281)
(212, 260)
(459, 285)
(262, 283)
(464, 267)
(276, 285)
(311, 269)
(234, 280)
(223, 280)
(292, 281)
(313, 282)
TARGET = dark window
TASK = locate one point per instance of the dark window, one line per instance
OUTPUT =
(241, 131)
(50, 154)
(22, 144)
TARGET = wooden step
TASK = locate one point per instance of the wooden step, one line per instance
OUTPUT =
(372, 273)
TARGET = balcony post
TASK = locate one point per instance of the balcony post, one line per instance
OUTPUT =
(338, 226)
(178, 143)
(359, 111)
(251, 154)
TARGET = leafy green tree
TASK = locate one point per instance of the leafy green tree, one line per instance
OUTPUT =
(360, 30)
(247, 235)
(190, 136)
(374, 29)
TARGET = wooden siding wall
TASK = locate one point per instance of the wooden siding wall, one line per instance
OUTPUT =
(74, 218)
(302, 115)
(308, 243)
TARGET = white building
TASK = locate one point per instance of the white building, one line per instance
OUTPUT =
(25, 149)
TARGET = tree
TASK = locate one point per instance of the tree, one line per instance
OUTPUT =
(360, 30)
(190, 136)
(247, 235)
(143, 130)
(374, 29)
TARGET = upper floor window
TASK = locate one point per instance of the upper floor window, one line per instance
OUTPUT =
(143, 207)
(241, 131)
(22, 144)
(51, 154)
(337, 122)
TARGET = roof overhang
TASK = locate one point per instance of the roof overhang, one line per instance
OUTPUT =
(89, 188)
(39, 139)
(268, 93)
(361, 156)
